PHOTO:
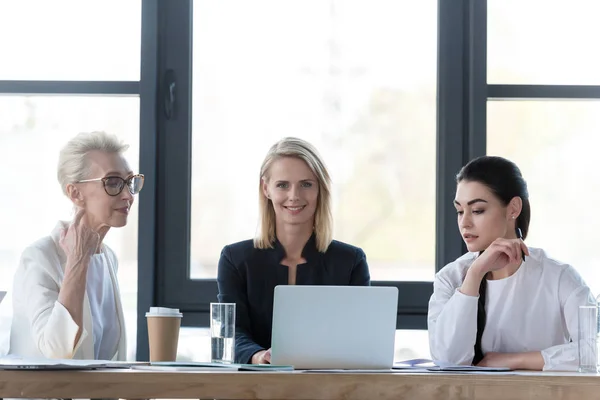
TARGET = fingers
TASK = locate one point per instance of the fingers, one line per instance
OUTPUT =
(513, 248)
(518, 249)
(267, 356)
(516, 246)
(524, 247)
(78, 216)
(507, 248)
(83, 226)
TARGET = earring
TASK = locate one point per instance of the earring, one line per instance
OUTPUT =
(514, 217)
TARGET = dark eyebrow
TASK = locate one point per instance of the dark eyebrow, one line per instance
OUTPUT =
(301, 180)
(472, 202)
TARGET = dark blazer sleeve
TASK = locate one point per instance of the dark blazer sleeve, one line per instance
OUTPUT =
(232, 289)
(360, 271)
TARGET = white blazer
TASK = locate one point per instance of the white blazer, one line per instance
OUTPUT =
(41, 326)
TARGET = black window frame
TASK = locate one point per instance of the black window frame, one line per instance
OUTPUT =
(461, 99)
(165, 96)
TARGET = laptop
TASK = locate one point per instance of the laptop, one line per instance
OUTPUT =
(334, 327)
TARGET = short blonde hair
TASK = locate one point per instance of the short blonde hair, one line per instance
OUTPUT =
(73, 164)
(301, 149)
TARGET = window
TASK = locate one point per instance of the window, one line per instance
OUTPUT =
(364, 97)
(542, 56)
(555, 145)
(76, 43)
(70, 40)
(543, 42)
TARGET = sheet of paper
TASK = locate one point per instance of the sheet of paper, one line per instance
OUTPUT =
(442, 366)
(12, 363)
(181, 369)
(473, 372)
(220, 366)
(433, 366)
(415, 363)
(349, 371)
(195, 364)
(16, 362)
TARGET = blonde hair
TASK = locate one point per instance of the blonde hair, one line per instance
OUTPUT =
(301, 149)
(73, 164)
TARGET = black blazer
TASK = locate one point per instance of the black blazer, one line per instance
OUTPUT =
(247, 276)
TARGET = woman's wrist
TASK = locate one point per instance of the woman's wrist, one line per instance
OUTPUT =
(473, 278)
(477, 270)
(532, 360)
(76, 260)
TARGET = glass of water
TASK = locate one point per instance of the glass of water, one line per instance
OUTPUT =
(588, 331)
(222, 332)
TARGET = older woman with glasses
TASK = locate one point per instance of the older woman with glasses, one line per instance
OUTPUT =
(66, 299)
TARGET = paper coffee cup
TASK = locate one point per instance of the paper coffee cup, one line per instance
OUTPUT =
(163, 333)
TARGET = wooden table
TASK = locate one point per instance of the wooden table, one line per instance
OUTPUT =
(135, 384)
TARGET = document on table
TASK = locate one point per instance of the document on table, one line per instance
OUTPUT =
(443, 366)
(415, 363)
(420, 365)
(208, 366)
(24, 363)
(348, 371)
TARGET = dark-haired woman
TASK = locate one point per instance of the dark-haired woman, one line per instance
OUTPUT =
(503, 304)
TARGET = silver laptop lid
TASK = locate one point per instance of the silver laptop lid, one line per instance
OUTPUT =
(351, 327)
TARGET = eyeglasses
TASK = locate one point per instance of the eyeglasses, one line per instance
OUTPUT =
(113, 185)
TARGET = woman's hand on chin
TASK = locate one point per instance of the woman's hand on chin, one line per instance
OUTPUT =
(500, 254)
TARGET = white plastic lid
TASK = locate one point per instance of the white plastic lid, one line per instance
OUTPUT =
(164, 312)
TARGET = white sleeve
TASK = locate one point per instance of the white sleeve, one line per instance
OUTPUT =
(572, 293)
(452, 323)
(52, 326)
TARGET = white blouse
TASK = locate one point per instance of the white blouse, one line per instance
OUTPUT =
(535, 309)
(106, 328)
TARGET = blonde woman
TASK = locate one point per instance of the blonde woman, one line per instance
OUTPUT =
(294, 246)
(66, 300)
